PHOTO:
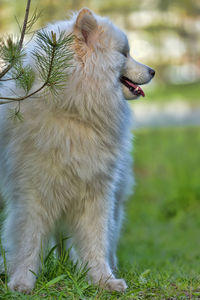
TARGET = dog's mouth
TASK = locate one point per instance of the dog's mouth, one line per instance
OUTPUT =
(133, 87)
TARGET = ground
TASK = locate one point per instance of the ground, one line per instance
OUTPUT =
(159, 248)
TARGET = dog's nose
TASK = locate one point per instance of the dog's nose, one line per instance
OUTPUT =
(152, 72)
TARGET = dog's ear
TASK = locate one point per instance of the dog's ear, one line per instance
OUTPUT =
(86, 25)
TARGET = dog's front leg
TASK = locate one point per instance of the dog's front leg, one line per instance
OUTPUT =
(91, 240)
(23, 232)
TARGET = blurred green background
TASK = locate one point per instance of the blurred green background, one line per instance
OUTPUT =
(163, 217)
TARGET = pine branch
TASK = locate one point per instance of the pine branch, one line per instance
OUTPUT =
(12, 78)
(35, 16)
(15, 114)
(7, 69)
(25, 24)
(10, 99)
(14, 56)
(51, 56)
(10, 53)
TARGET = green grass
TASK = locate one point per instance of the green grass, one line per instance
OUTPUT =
(159, 248)
(170, 92)
(163, 224)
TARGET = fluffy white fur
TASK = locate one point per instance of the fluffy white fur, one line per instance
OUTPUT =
(66, 167)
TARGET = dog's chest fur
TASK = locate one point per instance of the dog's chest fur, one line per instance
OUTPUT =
(63, 156)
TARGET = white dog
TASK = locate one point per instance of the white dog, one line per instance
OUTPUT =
(67, 165)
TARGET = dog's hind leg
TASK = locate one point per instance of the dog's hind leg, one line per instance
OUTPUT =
(23, 233)
(116, 220)
(123, 189)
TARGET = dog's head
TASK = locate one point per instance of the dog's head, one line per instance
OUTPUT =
(99, 41)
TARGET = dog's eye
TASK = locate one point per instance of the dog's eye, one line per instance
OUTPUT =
(125, 54)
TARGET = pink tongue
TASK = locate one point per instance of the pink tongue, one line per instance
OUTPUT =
(137, 89)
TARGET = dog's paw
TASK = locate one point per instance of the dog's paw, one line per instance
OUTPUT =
(113, 284)
(21, 286)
